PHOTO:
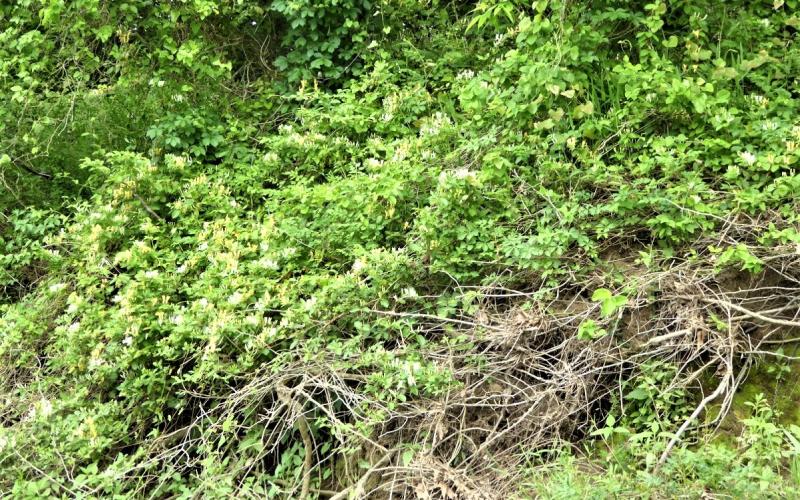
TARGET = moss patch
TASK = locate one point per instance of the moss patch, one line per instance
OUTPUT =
(775, 378)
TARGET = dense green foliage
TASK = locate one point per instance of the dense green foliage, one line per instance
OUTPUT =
(230, 229)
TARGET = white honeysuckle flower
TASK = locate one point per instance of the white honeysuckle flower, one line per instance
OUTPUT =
(466, 74)
(572, 142)
(310, 304)
(748, 157)
(429, 129)
(128, 341)
(462, 173)
(45, 408)
(212, 344)
(374, 162)
(760, 99)
(268, 263)
(400, 155)
(176, 319)
(140, 246)
(151, 274)
(434, 124)
(74, 327)
(236, 298)
(391, 103)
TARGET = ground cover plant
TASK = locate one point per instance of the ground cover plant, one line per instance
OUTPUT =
(400, 249)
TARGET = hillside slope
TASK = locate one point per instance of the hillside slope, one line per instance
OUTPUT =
(407, 249)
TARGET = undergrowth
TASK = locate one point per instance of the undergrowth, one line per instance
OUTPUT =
(406, 249)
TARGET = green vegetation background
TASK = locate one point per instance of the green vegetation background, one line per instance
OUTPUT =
(197, 196)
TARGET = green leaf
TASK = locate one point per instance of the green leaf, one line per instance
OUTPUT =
(104, 33)
(670, 42)
(601, 294)
(638, 394)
